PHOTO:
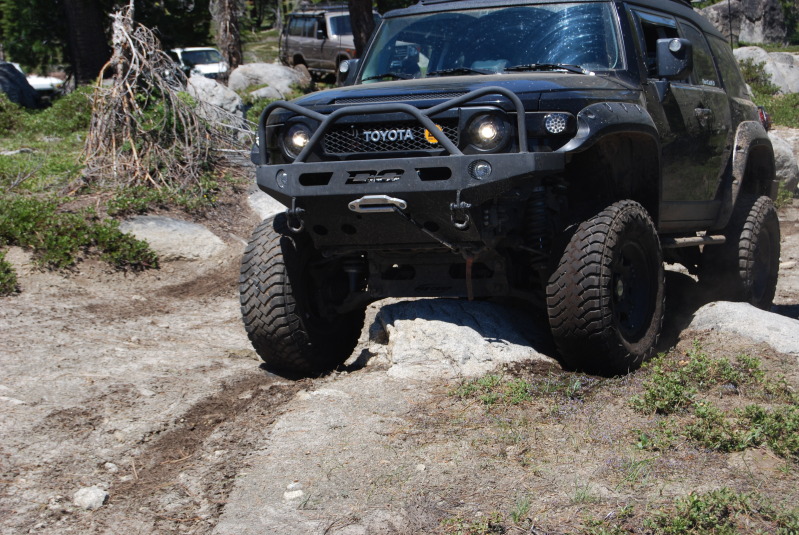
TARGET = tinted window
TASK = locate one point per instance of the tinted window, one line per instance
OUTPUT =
(704, 70)
(295, 27)
(730, 75)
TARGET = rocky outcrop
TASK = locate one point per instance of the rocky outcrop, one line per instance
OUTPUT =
(785, 160)
(743, 319)
(427, 338)
(750, 21)
(782, 67)
(174, 239)
(278, 77)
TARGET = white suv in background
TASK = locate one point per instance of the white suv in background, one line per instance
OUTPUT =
(203, 60)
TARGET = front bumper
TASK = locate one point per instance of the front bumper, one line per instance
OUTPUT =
(325, 197)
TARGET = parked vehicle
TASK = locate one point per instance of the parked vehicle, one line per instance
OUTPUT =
(202, 60)
(555, 153)
(319, 38)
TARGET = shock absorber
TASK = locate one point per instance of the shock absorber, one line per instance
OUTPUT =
(536, 221)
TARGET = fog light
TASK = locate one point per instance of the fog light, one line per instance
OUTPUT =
(282, 179)
(480, 169)
(555, 123)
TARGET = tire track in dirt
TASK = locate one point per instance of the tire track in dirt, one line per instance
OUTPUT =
(182, 480)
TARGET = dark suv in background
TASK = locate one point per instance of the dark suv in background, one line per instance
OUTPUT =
(319, 38)
(552, 153)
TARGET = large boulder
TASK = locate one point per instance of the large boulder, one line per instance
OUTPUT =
(785, 159)
(212, 92)
(279, 77)
(782, 67)
(750, 21)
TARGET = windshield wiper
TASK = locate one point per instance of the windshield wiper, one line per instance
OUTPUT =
(549, 67)
(393, 75)
(459, 70)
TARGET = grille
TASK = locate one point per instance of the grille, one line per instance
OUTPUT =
(398, 138)
(398, 98)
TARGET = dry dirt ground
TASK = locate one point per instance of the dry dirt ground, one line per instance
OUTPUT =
(145, 386)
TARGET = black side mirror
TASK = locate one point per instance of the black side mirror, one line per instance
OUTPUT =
(675, 58)
(321, 34)
(348, 70)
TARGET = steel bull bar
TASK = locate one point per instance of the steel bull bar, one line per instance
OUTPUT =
(288, 182)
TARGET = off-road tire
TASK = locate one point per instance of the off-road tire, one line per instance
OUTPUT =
(279, 309)
(745, 268)
(605, 299)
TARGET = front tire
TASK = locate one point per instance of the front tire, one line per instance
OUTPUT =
(606, 299)
(745, 268)
(281, 304)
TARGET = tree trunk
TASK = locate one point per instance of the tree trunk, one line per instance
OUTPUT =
(362, 23)
(86, 39)
(228, 39)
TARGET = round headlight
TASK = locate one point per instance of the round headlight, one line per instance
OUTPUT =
(488, 132)
(296, 138)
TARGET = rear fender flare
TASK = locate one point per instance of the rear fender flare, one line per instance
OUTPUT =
(750, 138)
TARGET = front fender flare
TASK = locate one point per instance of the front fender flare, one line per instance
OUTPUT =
(606, 118)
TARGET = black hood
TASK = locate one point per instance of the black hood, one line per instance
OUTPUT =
(529, 87)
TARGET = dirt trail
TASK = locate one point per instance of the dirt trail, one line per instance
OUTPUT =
(146, 386)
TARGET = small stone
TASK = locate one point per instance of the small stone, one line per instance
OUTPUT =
(111, 467)
(146, 392)
(90, 498)
(420, 468)
(294, 486)
(293, 495)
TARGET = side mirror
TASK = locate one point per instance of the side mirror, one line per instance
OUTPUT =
(348, 70)
(321, 34)
(675, 58)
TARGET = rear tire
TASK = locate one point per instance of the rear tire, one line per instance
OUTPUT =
(745, 268)
(281, 303)
(606, 297)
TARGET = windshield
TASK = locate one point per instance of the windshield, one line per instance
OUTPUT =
(488, 41)
(201, 57)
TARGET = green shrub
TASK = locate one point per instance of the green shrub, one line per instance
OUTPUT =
(11, 115)
(57, 238)
(8, 278)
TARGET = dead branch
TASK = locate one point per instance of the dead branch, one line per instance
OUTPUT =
(145, 127)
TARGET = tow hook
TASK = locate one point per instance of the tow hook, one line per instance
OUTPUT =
(460, 213)
(294, 214)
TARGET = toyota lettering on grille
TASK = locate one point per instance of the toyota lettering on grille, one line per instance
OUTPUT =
(396, 134)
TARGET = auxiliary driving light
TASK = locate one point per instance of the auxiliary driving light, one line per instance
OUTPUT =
(480, 169)
(555, 123)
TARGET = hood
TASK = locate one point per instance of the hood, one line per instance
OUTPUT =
(530, 87)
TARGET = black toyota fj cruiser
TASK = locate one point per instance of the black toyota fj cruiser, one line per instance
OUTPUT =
(552, 152)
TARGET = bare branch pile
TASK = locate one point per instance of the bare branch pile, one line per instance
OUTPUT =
(145, 128)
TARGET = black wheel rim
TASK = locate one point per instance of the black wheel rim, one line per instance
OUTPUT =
(631, 291)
